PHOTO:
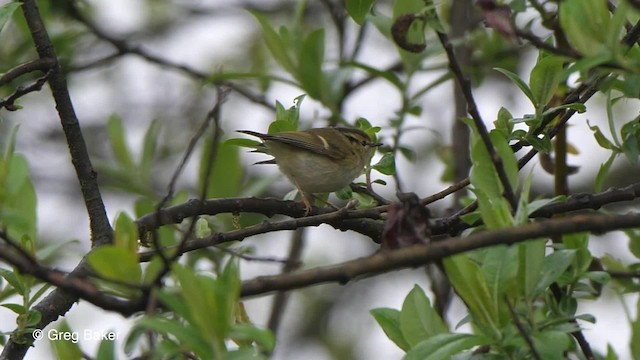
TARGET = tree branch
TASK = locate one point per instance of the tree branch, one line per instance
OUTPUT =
(419, 255)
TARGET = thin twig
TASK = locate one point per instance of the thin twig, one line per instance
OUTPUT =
(124, 47)
(465, 86)
(280, 299)
(522, 330)
(8, 103)
(43, 65)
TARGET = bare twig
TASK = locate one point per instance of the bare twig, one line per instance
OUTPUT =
(8, 103)
(43, 65)
(280, 299)
(472, 108)
(522, 330)
(124, 47)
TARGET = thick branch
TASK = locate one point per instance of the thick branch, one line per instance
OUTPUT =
(101, 231)
(419, 255)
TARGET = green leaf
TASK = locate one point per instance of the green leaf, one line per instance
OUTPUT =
(287, 119)
(634, 342)
(500, 267)
(115, 263)
(601, 139)
(247, 332)
(554, 266)
(12, 278)
(519, 82)
(603, 172)
(504, 123)
(126, 233)
(541, 144)
(389, 321)
(6, 11)
(386, 165)
(200, 303)
(552, 345)
(149, 147)
(33, 318)
(226, 175)
(117, 138)
(18, 199)
(470, 284)
(106, 350)
(545, 78)
(586, 24)
(418, 319)
(531, 260)
(630, 133)
(16, 308)
(634, 241)
(310, 59)
(66, 348)
(208, 303)
(358, 9)
(611, 353)
(445, 346)
(188, 336)
(580, 243)
(275, 44)
(509, 161)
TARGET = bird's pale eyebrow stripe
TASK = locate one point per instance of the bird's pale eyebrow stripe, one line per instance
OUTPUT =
(324, 142)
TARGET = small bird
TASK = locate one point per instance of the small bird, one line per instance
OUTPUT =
(318, 160)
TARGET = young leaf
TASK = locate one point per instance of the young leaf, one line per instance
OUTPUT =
(118, 141)
(386, 165)
(6, 11)
(188, 336)
(470, 284)
(504, 123)
(418, 319)
(531, 261)
(149, 147)
(603, 172)
(586, 24)
(115, 263)
(634, 342)
(66, 348)
(226, 175)
(445, 346)
(631, 140)
(126, 233)
(601, 139)
(389, 321)
(358, 9)
(106, 350)
(275, 44)
(554, 266)
(310, 59)
(544, 80)
(520, 83)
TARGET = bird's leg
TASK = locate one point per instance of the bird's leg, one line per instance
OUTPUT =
(307, 205)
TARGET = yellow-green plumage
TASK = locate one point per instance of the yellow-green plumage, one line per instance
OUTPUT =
(318, 160)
